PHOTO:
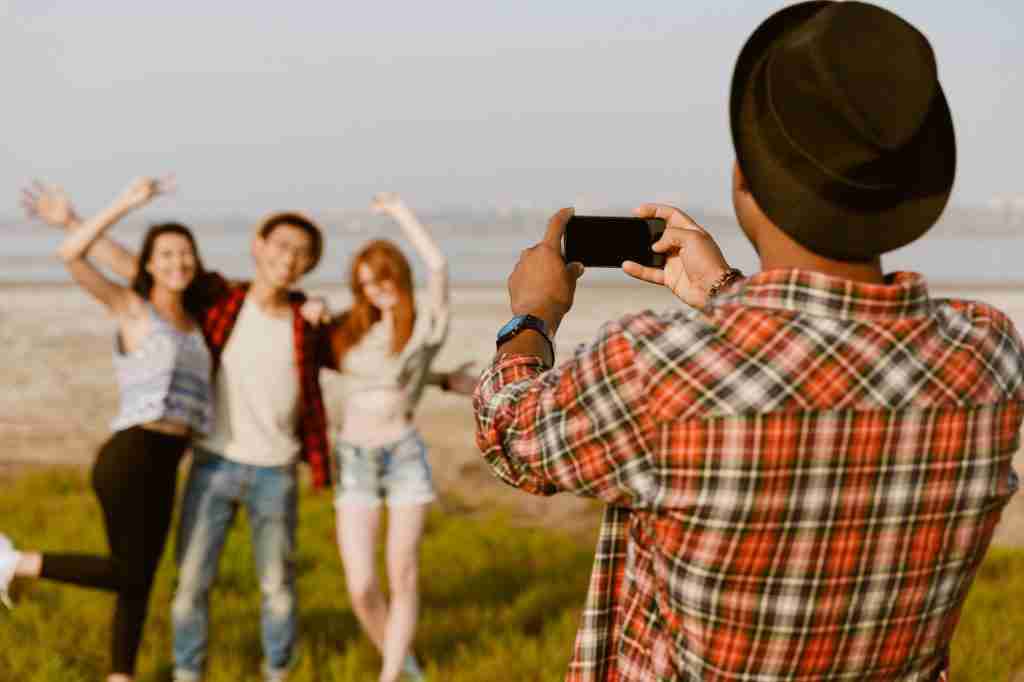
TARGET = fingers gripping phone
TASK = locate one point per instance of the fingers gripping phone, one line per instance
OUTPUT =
(605, 242)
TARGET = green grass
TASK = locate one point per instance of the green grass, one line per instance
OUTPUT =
(500, 602)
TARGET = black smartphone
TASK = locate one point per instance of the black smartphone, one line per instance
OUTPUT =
(605, 242)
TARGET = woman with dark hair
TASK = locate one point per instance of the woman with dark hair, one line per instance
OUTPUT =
(384, 346)
(163, 371)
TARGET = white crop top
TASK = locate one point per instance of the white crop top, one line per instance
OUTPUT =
(370, 367)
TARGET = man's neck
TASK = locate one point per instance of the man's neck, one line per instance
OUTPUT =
(272, 300)
(784, 256)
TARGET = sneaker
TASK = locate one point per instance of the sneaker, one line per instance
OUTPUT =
(276, 675)
(9, 558)
(411, 669)
(185, 676)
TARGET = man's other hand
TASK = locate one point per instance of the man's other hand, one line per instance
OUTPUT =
(542, 284)
(693, 260)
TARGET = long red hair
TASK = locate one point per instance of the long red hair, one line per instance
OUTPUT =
(387, 262)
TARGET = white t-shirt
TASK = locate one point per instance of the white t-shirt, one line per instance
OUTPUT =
(257, 392)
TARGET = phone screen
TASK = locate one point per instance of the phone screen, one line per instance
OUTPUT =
(605, 242)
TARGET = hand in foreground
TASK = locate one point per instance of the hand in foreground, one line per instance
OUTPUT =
(461, 380)
(693, 260)
(541, 283)
(50, 204)
(386, 202)
(314, 311)
(144, 190)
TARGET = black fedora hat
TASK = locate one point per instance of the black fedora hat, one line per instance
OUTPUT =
(841, 128)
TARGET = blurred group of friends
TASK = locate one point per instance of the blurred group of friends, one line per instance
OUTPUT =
(230, 370)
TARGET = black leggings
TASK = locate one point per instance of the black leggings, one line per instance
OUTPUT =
(134, 477)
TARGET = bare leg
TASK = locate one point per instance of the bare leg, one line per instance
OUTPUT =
(119, 677)
(405, 528)
(357, 533)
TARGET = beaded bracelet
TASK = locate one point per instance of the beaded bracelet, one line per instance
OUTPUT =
(726, 278)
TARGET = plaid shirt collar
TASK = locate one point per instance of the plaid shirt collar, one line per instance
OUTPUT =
(904, 295)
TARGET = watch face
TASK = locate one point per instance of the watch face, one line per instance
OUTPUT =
(511, 326)
(521, 322)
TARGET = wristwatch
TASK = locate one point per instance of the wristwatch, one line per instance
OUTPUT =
(522, 322)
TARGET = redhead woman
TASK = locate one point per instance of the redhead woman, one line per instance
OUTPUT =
(384, 346)
(163, 372)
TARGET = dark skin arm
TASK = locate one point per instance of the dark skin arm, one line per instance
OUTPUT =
(542, 285)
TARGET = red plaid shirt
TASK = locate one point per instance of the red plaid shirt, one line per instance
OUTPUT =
(219, 320)
(801, 480)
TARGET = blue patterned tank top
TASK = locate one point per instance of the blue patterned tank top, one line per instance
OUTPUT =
(166, 378)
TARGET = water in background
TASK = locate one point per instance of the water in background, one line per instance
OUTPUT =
(482, 248)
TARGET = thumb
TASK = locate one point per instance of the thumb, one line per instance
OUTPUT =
(576, 269)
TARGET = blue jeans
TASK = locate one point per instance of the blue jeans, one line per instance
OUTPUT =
(216, 488)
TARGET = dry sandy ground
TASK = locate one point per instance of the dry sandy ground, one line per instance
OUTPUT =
(57, 392)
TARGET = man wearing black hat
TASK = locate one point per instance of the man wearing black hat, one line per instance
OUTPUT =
(804, 469)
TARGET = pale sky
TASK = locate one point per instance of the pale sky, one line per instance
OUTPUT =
(261, 105)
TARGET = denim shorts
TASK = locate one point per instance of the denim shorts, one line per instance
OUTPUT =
(396, 474)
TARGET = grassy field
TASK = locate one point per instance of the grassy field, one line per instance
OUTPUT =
(500, 602)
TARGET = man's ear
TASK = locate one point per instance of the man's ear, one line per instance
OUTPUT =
(256, 245)
(748, 213)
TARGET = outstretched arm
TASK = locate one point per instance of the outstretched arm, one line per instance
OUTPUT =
(424, 244)
(72, 251)
(138, 194)
(460, 380)
(50, 204)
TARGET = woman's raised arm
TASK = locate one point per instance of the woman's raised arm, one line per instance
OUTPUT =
(73, 250)
(50, 204)
(425, 246)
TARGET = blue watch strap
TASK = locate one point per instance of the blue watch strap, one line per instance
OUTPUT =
(520, 323)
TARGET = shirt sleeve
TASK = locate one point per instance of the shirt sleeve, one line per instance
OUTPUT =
(582, 427)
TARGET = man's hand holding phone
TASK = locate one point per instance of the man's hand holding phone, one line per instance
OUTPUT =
(693, 260)
(542, 284)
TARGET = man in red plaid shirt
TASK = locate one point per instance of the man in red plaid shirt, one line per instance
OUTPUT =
(804, 468)
(269, 414)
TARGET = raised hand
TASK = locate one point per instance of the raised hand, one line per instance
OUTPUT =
(144, 190)
(693, 260)
(314, 311)
(387, 202)
(542, 284)
(50, 204)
